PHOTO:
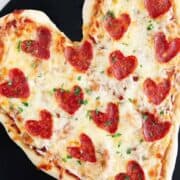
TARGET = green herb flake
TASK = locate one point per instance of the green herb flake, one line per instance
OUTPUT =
(54, 89)
(25, 104)
(64, 159)
(69, 157)
(150, 27)
(119, 144)
(79, 78)
(130, 100)
(129, 150)
(102, 72)
(141, 65)
(88, 114)
(20, 109)
(109, 14)
(98, 97)
(161, 112)
(115, 135)
(77, 91)
(88, 91)
(144, 116)
(141, 141)
(79, 162)
(19, 46)
(96, 111)
(85, 102)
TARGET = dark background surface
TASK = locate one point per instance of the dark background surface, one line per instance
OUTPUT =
(67, 15)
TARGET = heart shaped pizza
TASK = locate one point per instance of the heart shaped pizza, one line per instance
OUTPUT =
(105, 108)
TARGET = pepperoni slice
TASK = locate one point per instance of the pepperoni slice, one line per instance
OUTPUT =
(17, 85)
(80, 57)
(109, 120)
(43, 127)
(116, 27)
(121, 66)
(156, 93)
(157, 7)
(70, 101)
(86, 151)
(134, 172)
(153, 129)
(40, 47)
(165, 50)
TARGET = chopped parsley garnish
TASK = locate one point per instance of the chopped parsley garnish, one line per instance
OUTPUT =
(102, 72)
(77, 91)
(129, 150)
(150, 27)
(130, 100)
(125, 44)
(97, 112)
(115, 135)
(109, 14)
(79, 78)
(88, 114)
(54, 89)
(69, 157)
(161, 112)
(119, 144)
(141, 140)
(66, 158)
(141, 65)
(79, 162)
(85, 102)
(88, 91)
(19, 45)
(25, 104)
(144, 116)
(20, 109)
(98, 97)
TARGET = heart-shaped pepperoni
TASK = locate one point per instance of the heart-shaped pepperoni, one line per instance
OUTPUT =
(70, 101)
(156, 93)
(165, 50)
(116, 27)
(121, 66)
(86, 151)
(17, 86)
(157, 7)
(80, 57)
(43, 127)
(134, 172)
(40, 47)
(109, 120)
(153, 129)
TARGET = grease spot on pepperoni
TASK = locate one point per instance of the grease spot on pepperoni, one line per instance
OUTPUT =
(157, 7)
(70, 101)
(134, 172)
(153, 129)
(116, 27)
(109, 120)
(42, 128)
(86, 151)
(39, 48)
(165, 50)
(156, 93)
(17, 86)
(80, 57)
(121, 66)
